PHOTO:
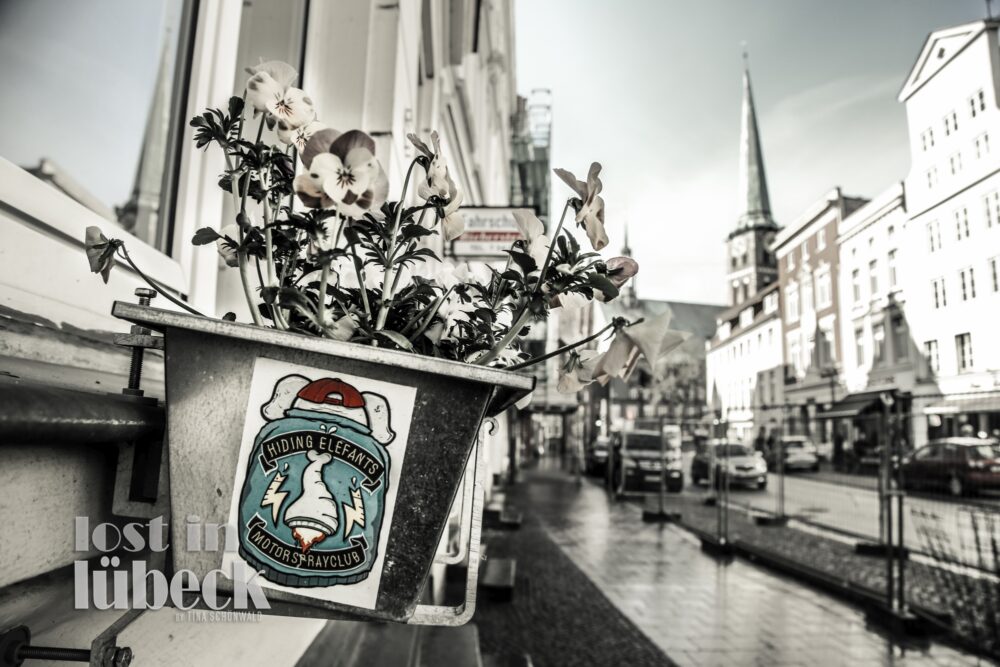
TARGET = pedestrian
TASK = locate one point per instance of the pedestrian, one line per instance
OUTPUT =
(760, 441)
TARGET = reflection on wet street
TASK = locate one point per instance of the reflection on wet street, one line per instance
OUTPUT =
(701, 611)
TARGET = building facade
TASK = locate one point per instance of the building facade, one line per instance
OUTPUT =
(808, 269)
(953, 232)
(134, 171)
(744, 370)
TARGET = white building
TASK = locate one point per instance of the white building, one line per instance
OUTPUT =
(106, 142)
(743, 367)
(877, 348)
(952, 241)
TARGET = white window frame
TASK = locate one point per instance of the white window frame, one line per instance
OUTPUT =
(824, 288)
(44, 221)
(964, 359)
(933, 355)
(792, 302)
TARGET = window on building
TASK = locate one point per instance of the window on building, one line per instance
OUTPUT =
(982, 145)
(900, 338)
(794, 354)
(991, 208)
(773, 381)
(113, 149)
(927, 139)
(931, 175)
(824, 295)
(977, 104)
(859, 346)
(820, 240)
(931, 354)
(940, 298)
(856, 285)
(995, 273)
(963, 352)
(933, 235)
(955, 163)
(967, 279)
(790, 261)
(878, 343)
(807, 296)
(792, 301)
(962, 223)
(950, 123)
(873, 276)
(891, 265)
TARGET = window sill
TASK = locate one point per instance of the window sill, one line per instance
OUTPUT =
(39, 205)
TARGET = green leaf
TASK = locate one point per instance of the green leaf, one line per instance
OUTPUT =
(524, 261)
(396, 338)
(205, 235)
(599, 282)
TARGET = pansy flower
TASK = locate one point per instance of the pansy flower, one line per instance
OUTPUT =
(343, 173)
(588, 204)
(439, 183)
(270, 90)
(533, 231)
(298, 136)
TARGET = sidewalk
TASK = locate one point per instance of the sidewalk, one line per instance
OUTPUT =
(695, 609)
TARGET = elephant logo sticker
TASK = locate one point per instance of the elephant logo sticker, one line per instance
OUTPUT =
(317, 480)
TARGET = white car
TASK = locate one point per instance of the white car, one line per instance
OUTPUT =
(800, 453)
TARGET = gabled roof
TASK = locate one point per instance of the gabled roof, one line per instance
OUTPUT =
(940, 47)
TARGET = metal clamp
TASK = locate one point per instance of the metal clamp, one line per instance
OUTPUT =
(426, 614)
(139, 339)
(15, 648)
(456, 556)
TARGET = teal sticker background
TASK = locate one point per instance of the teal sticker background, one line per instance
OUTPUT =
(340, 478)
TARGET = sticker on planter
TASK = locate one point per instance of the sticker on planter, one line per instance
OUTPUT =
(317, 480)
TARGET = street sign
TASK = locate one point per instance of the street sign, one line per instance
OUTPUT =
(489, 231)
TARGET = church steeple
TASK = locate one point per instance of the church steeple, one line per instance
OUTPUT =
(754, 201)
(752, 265)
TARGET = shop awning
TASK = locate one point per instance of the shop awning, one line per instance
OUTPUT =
(852, 405)
(966, 403)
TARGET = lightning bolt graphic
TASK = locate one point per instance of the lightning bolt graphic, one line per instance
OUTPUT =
(273, 497)
(354, 514)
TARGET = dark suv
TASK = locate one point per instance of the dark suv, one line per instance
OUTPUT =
(959, 466)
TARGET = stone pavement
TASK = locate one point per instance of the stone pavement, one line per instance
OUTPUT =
(697, 610)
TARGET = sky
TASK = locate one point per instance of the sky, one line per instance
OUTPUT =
(652, 90)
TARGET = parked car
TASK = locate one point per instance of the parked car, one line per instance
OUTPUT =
(959, 466)
(644, 459)
(740, 463)
(800, 454)
(597, 456)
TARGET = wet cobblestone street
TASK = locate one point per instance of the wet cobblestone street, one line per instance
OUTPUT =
(697, 610)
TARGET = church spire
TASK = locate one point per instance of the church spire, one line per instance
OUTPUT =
(626, 249)
(755, 205)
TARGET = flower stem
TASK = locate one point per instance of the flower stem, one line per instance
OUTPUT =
(389, 275)
(430, 316)
(506, 340)
(324, 278)
(552, 245)
(155, 284)
(241, 255)
(615, 324)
